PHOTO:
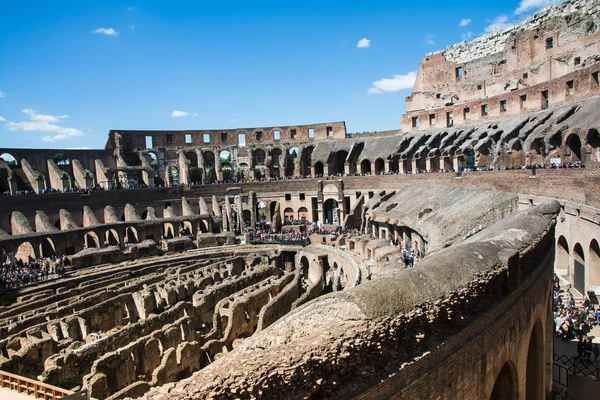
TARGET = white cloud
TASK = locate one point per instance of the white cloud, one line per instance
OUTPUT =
(528, 5)
(467, 36)
(41, 117)
(130, 8)
(465, 22)
(2, 94)
(395, 84)
(2, 118)
(364, 42)
(177, 113)
(42, 123)
(106, 31)
(499, 23)
(132, 27)
(429, 39)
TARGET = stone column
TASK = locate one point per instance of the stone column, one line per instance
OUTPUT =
(428, 163)
(414, 165)
(455, 163)
(347, 168)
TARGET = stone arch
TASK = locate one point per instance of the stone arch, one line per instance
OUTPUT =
(338, 162)
(276, 162)
(47, 248)
(562, 253)
(330, 208)
(209, 158)
(196, 176)
(111, 237)
(168, 230)
(534, 380)
(318, 168)
(379, 166)
(579, 268)
(173, 175)
(289, 214)
(365, 166)
(259, 156)
(505, 385)
(91, 240)
(593, 266)
(573, 143)
(304, 266)
(61, 159)
(131, 235)
(192, 157)
(261, 211)
(25, 252)
(9, 159)
(187, 229)
(593, 140)
(225, 157)
(247, 217)
(303, 214)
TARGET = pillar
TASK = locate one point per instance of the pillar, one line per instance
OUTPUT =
(455, 163)
(428, 164)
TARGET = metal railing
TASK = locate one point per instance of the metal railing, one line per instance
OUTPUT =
(31, 387)
(579, 366)
(299, 242)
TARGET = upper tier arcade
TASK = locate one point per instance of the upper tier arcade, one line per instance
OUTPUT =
(549, 59)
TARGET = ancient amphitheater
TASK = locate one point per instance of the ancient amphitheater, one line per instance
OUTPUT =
(173, 289)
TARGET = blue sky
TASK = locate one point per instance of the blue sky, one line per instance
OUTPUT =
(72, 70)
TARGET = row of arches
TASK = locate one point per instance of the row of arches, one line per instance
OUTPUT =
(582, 263)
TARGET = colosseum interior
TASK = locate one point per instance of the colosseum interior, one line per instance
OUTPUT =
(173, 290)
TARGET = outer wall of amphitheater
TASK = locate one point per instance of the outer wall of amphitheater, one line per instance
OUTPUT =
(510, 349)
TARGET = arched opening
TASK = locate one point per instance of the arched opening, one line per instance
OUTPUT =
(573, 143)
(261, 212)
(365, 166)
(144, 215)
(331, 212)
(168, 231)
(303, 214)
(562, 254)
(395, 163)
(535, 364)
(579, 268)
(289, 215)
(131, 235)
(318, 168)
(173, 175)
(259, 156)
(25, 252)
(593, 267)
(47, 248)
(9, 159)
(304, 267)
(57, 224)
(293, 155)
(276, 163)
(379, 166)
(61, 159)
(225, 157)
(111, 238)
(90, 240)
(187, 229)
(196, 176)
(209, 159)
(247, 216)
(339, 160)
(192, 157)
(593, 140)
(505, 387)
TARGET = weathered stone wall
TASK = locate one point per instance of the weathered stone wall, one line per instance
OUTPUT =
(425, 322)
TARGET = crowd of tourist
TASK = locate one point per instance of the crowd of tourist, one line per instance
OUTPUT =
(265, 236)
(575, 321)
(18, 273)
